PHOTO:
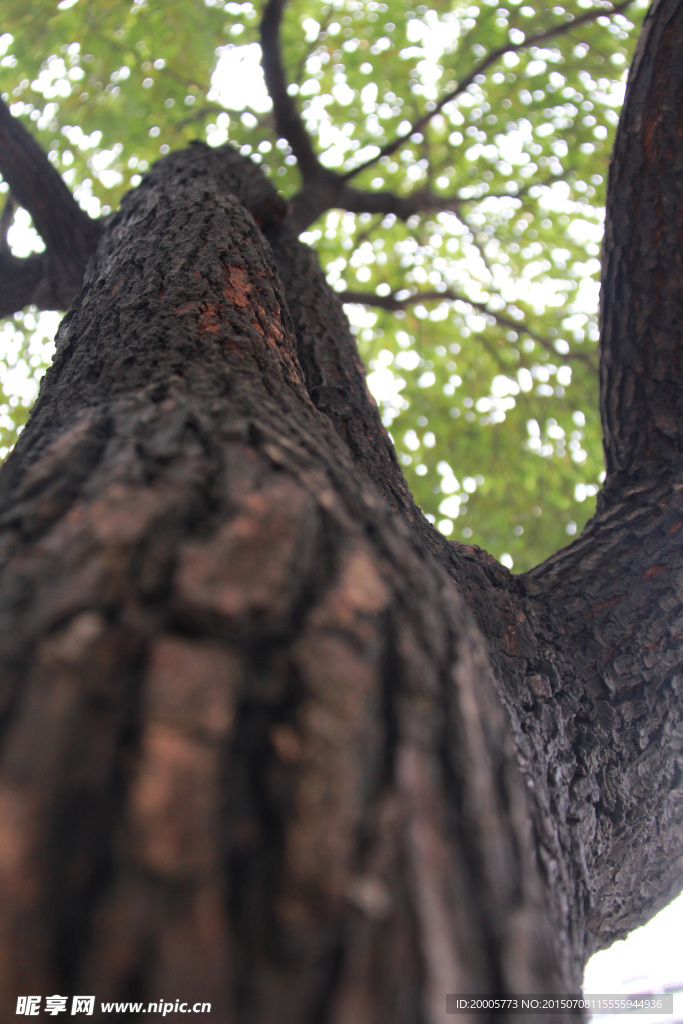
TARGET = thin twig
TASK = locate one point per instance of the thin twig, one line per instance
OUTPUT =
(481, 66)
(393, 303)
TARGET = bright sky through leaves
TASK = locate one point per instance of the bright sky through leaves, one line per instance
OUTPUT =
(478, 314)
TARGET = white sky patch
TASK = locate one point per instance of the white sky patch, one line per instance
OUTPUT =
(556, 196)
(501, 386)
(434, 36)
(385, 387)
(451, 506)
(539, 294)
(449, 481)
(646, 961)
(238, 80)
(511, 146)
(17, 378)
(587, 298)
(583, 230)
(409, 360)
(53, 80)
(100, 162)
(22, 236)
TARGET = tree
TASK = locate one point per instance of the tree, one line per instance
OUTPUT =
(270, 740)
(487, 126)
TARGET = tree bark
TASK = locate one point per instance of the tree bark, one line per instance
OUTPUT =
(268, 739)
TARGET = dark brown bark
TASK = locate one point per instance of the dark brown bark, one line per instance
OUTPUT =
(254, 749)
(249, 732)
(49, 280)
(642, 299)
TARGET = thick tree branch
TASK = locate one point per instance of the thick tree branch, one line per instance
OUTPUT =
(642, 300)
(327, 703)
(39, 188)
(287, 118)
(330, 191)
(612, 599)
(357, 200)
(69, 234)
(610, 605)
(324, 188)
(534, 39)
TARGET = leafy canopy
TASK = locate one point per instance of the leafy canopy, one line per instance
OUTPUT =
(477, 313)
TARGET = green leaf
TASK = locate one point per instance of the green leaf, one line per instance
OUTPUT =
(488, 385)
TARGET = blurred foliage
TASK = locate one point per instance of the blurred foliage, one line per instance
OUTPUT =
(488, 381)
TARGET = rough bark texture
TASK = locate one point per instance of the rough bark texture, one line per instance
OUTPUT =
(255, 750)
(247, 723)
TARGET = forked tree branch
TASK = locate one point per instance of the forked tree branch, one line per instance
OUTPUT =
(287, 118)
(641, 343)
(325, 189)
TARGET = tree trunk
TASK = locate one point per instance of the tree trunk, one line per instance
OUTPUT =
(255, 750)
